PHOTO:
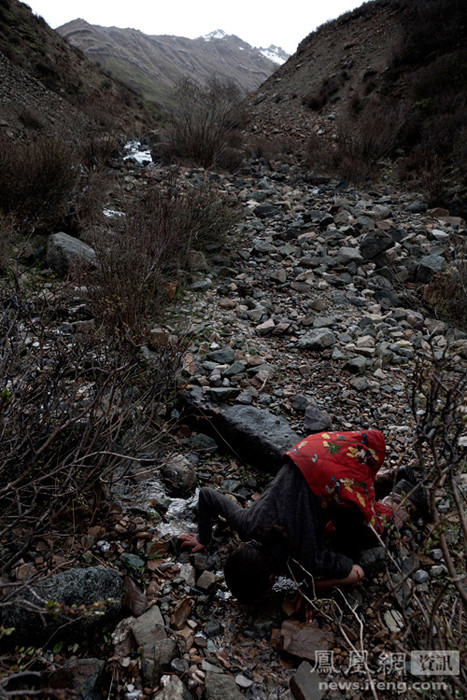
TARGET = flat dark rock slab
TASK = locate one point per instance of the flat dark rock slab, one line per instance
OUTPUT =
(254, 434)
(34, 623)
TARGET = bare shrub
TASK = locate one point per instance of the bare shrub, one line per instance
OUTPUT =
(230, 159)
(7, 233)
(274, 149)
(31, 119)
(437, 399)
(47, 184)
(431, 61)
(429, 618)
(204, 119)
(98, 148)
(436, 152)
(260, 147)
(127, 288)
(67, 402)
(319, 153)
(329, 87)
(447, 291)
(138, 263)
(36, 180)
(362, 142)
(86, 205)
(96, 106)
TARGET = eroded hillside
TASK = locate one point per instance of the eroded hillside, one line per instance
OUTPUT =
(47, 84)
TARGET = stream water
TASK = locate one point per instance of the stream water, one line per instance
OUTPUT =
(134, 149)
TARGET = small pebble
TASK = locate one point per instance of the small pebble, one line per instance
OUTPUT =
(437, 571)
(242, 681)
(420, 576)
(437, 554)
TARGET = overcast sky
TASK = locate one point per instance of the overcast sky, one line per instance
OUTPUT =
(259, 22)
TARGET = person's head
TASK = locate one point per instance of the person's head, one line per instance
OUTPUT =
(249, 571)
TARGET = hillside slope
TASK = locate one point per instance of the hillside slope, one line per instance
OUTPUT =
(388, 80)
(152, 65)
(329, 67)
(47, 84)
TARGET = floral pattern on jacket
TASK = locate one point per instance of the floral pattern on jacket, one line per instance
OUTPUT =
(340, 467)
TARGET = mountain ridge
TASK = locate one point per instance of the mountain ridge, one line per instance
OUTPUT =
(152, 65)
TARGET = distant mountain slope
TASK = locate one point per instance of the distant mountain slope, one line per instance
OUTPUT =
(45, 84)
(152, 65)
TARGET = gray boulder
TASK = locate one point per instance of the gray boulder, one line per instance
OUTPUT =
(305, 684)
(149, 628)
(318, 339)
(316, 421)
(348, 255)
(257, 435)
(174, 690)
(357, 365)
(157, 660)
(375, 243)
(220, 685)
(83, 676)
(179, 476)
(428, 266)
(73, 587)
(264, 211)
(223, 356)
(65, 252)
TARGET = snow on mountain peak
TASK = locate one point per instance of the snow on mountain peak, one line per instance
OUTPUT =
(275, 54)
(216, 34)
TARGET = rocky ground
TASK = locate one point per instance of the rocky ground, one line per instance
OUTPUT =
(311, 321)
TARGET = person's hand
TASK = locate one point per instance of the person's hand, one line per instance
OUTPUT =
(353, 579)
(189, 539)
(356, 574)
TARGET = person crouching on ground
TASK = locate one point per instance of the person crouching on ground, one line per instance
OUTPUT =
(313, 516)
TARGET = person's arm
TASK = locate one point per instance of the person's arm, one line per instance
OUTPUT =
(327, 563)
(211, 504)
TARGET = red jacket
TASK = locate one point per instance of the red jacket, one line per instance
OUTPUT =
(341, 468)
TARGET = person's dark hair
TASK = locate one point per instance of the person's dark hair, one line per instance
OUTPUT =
(249, 568)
